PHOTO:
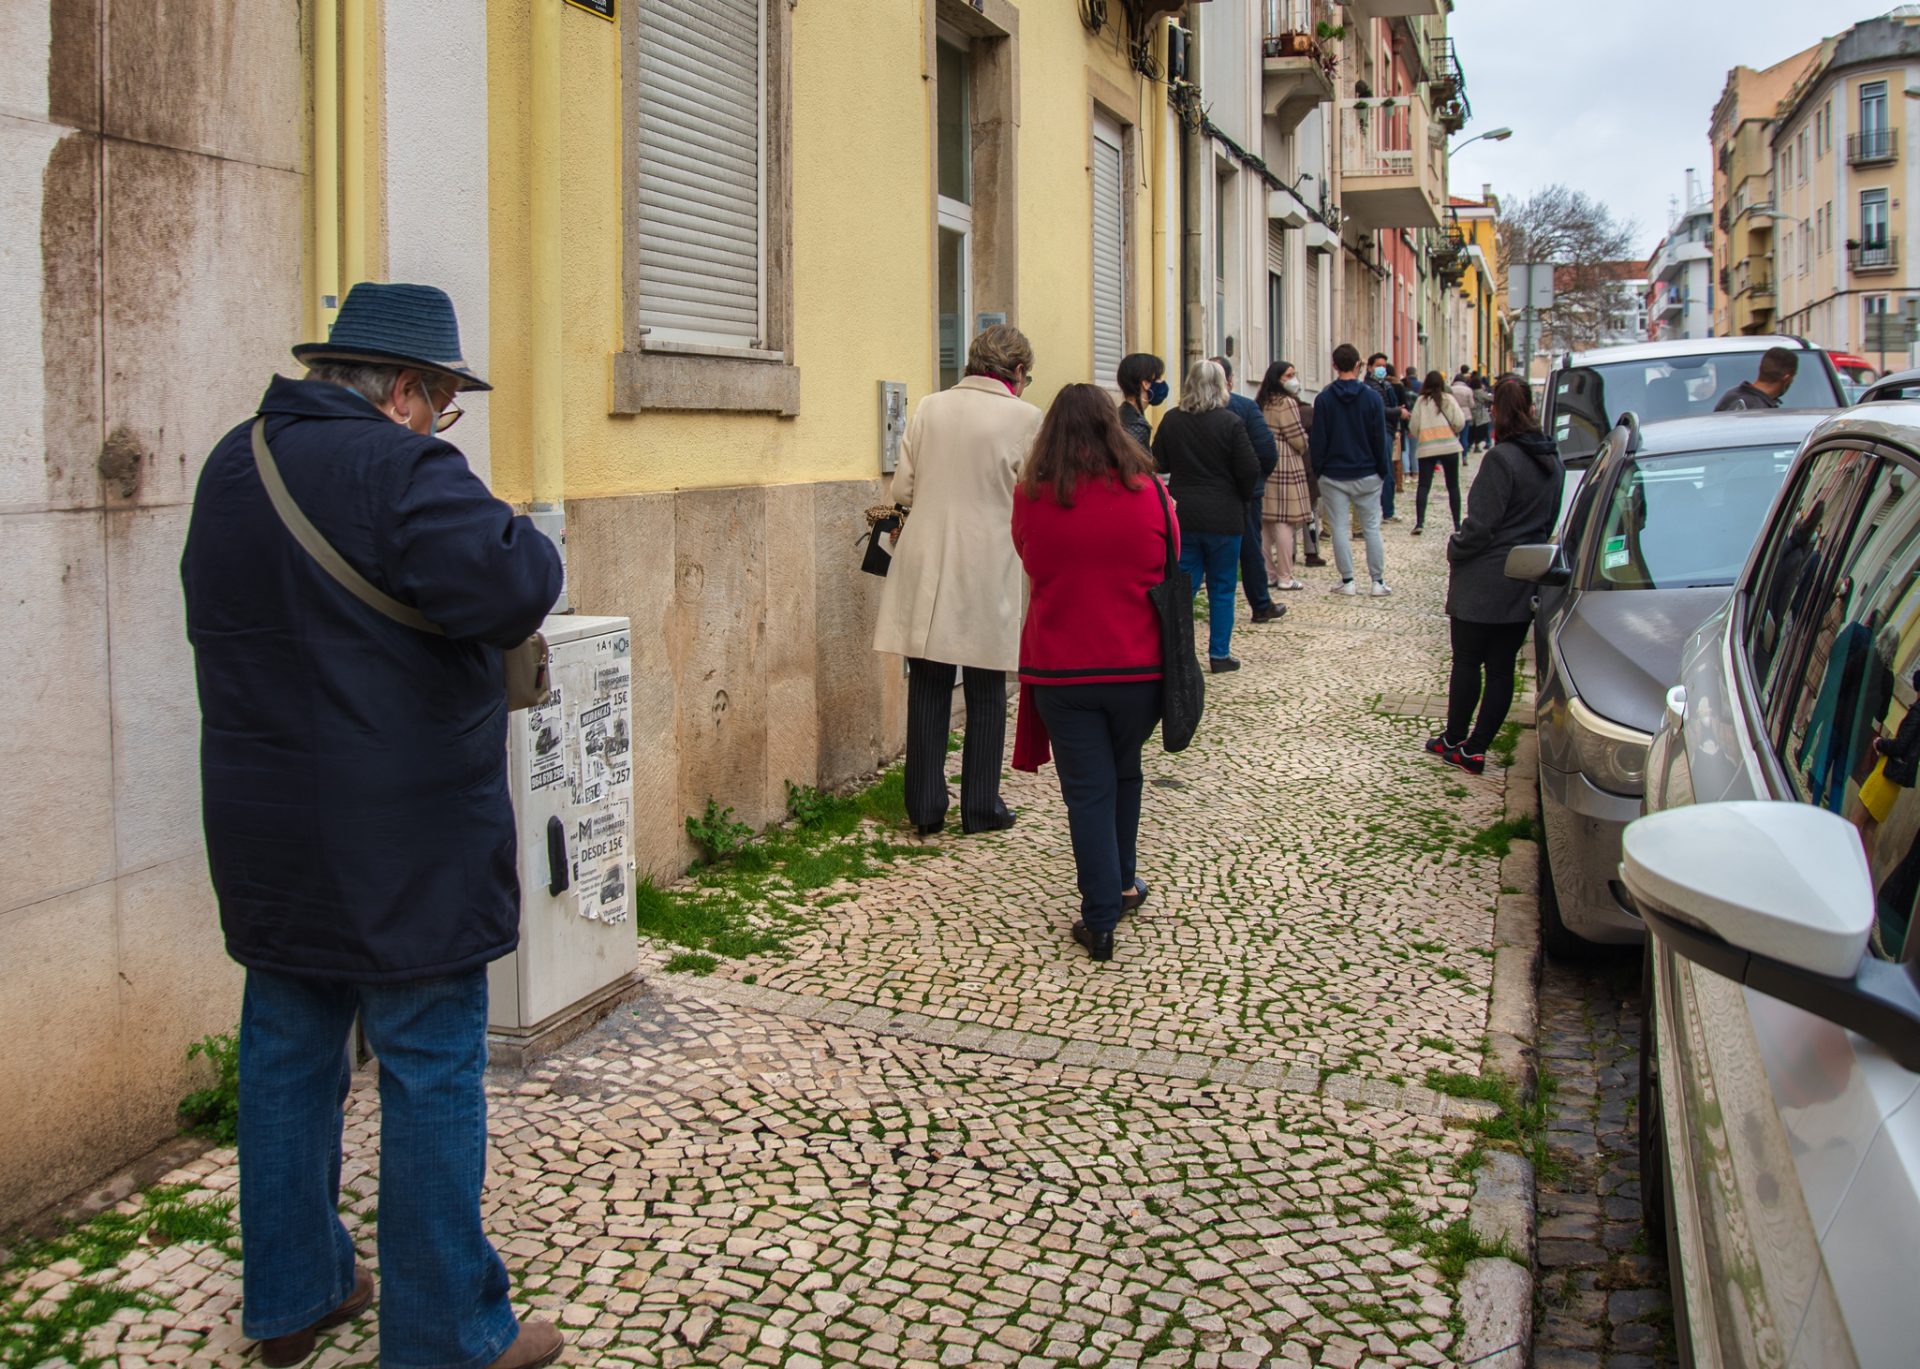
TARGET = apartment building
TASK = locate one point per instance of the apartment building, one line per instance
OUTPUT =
(1680, 290)
(1743, 192)
(1482, 331)
(1844, 172)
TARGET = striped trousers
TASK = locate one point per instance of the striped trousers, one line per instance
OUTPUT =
(929, 713)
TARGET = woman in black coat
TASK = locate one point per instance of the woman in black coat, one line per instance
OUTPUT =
(1514, 501)
(1212, 471)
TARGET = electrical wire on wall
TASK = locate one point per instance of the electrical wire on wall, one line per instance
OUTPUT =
(1093, 13)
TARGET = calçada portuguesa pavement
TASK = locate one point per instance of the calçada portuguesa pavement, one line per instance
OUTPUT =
(934, 1133)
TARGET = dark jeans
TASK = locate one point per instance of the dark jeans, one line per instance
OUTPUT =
(1097, 733)
(929, 713)
(1492, 648)
(1253, 563)
(1450, 467)
(1213, 557)
(443, 1290)
(1386, 487)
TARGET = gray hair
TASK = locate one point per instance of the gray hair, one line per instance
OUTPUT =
(1205, 388)
(371, 381)
(999, 351)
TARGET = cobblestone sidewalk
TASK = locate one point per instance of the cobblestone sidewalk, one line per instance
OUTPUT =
(936, 1134)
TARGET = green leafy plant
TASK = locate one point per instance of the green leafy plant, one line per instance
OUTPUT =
(716, 832)
(1497, 839)
(1506, 743)
(214, 1111)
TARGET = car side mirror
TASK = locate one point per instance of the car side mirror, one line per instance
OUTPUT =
(1776, 896)
(1538, 564)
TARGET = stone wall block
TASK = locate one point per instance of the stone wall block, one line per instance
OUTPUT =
(201, 307)
(720, 577)
(620, 559)
(862, 694)
(156, 715)
(793, 714)
(56, 744)
(64, 1122)
(221, 79)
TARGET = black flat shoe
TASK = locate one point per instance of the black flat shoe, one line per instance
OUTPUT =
(1001, 824)
(1131, 900)
(1099, 944)
(1273, 613)
(930, 829)
(1219, 665)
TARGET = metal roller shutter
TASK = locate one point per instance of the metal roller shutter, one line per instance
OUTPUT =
(1316, 344)
(1276, 249)
(1109, 253)
(700, 170)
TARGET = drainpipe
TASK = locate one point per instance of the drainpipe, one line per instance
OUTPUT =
(353, 141)
(1193, 157)
(549, 512)
(326, 163)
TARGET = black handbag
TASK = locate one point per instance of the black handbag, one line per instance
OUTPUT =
(1183, 687)
(877, 559)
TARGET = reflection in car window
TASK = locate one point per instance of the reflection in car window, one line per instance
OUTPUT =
(1588, 400)
(1852, 745)
(1687, 520)
(1777, 601)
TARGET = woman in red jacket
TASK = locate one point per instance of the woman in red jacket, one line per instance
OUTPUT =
(1091, 524)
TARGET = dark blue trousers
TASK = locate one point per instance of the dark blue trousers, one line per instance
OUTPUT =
(1253, 562)
(1097, 732)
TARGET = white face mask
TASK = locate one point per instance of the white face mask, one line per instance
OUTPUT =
(1291, 385)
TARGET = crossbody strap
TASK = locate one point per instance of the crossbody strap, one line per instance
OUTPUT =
(1166, 517)
(321, 550)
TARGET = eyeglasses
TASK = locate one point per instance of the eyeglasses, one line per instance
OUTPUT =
(445, 415)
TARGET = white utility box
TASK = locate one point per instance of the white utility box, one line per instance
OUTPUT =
(570, 765)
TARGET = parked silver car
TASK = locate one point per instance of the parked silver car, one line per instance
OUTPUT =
(1658, 531)
(1778, 872)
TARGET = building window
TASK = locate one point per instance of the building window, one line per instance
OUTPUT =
(954, 143)
(1109, 249)
(1873, 220)
(1276, 293)
(1803, 156)
(708, 304)
(1223, 192)
(1873, 108)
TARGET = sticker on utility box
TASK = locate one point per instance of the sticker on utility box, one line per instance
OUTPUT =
(600, 864)
(1614, 554)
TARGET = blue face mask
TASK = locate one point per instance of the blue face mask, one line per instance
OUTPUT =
(1158, 393)
(1379, 373)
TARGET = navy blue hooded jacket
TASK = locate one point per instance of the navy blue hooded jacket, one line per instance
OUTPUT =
(1348, 440)
(353, 770)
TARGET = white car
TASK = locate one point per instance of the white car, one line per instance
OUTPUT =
(1777, 872)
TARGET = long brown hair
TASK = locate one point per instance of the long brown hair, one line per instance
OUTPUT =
(1513, 409)
(1434, 387)
(1079, 439)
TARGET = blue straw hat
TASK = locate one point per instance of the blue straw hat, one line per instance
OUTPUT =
(390, 324)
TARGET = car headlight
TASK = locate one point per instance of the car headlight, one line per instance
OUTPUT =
(1613, 757)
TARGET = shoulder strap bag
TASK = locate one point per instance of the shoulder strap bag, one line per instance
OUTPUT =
(529, 681)
(1183, 688)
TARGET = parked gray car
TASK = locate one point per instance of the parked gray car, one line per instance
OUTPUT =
(1779, 870)
(1658, 531)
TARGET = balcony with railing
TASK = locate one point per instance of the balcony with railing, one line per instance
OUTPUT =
(1872, 258)
(1392, 167)
(1447, 86)
(1753, 278)
(1297, 64)
(1872, 147)
(1396, 9)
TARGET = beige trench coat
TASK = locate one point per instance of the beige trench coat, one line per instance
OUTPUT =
(955, 592)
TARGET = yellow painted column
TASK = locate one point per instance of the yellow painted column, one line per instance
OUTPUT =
(326, 163)
(354, 249)
(549, 457)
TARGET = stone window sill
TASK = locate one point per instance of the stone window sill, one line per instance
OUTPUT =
(692, 377)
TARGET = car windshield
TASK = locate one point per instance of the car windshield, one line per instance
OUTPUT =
(1588, 400)
(1687, 521)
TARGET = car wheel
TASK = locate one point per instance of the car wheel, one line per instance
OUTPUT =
(1556, 937)
(1654, 1215)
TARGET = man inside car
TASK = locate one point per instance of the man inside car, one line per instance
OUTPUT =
(1778, 367)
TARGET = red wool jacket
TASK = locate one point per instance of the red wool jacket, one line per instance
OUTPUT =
(1088, 617)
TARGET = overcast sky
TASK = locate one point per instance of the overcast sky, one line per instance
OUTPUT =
(1613, 96)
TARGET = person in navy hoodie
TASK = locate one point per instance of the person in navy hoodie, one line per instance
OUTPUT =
(359, 829)
(1092, 526)
(1347, 446)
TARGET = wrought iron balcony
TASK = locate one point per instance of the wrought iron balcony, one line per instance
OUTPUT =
(1875, 145)
(1297, 65)
(1871, 258)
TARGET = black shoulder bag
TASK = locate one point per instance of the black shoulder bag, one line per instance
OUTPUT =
(1183, 688)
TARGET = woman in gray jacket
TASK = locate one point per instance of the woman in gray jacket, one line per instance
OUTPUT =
(1514, 501)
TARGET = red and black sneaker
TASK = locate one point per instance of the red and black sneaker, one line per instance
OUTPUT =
(1474, 763)
(1439, 746)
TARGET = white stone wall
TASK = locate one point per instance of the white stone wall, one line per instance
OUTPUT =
(150, 221)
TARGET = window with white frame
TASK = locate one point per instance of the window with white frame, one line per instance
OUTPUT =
(953, 120)
(1109, 249)
(700, 144)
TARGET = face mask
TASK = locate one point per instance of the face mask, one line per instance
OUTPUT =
(1290, 385)
(1158, 392)
(1379, 373)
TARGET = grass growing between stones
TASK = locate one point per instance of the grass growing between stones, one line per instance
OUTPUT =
(1497, 839)
(33, 1332)
(1520, 1125)
(214, 1111)
(752, 897)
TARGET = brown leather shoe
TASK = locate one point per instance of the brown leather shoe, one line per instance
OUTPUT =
(538, 1343)
(280, 1352)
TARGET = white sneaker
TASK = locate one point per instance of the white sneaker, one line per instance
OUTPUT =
(1380, 590)
(1344, 587)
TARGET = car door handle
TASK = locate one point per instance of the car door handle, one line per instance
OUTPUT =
(1676, 706)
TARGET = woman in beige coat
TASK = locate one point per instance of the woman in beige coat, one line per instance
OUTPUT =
(955, 594)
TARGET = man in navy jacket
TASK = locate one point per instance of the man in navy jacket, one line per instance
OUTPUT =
(1253, 563)
(1347, 446)
(359, 828)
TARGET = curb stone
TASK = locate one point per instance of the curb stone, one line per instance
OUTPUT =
(1496, 1295)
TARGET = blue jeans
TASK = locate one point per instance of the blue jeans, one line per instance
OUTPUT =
(1215, 557)
(1097, 731)
(443, 1296)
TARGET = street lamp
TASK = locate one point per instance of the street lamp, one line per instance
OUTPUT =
(1492, 135)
